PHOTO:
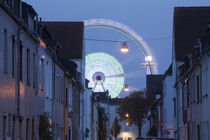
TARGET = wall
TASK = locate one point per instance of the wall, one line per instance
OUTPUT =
(31, 98)
(206, 94)
(58, 103)
(168, 107)
(87, 113)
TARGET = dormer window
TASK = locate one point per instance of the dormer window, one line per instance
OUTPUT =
(190, 61)
(6, 2)
(29, 16)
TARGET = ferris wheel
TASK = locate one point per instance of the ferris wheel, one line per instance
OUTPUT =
(104, 73)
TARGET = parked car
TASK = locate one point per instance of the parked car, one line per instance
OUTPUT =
(155, 138)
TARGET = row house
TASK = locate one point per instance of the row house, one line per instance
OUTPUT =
(21, 93)
(86, 112)
(34, 79)
(190, 23)
(186, 83)
(99, 115)
(71, 102)
(195, 91)
(154, 86)
(61, 85)
(168, 103)
(55, 85)
(47, 58)
(71, 57)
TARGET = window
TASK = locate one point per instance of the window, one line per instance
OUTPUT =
(207, 130)
(193, 89)
(9, 125)
(116, 110)
(47, 90)
(28, 66)
(6, 2)
(27, 128)
(188, 132)
(5, 52)
(198, 132)
(61, 90)
(188, 94)
(58, 88)
(174, 107)
(69, 133)
(34, 70)
(13, 56)
(198, 88)
(4, 127)
(66, 97)
(13, 129)
(206, 80)
(32, 136)
(11, 3)
(56, 93)
(21, 61)
(42, 73)
(20, 129)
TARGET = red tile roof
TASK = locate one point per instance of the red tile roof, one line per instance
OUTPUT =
(70, 36)
(190, 23)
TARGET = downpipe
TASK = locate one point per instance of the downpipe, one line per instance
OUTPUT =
(18, 70)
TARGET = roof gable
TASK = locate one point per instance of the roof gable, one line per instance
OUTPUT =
(70, 36)
(190, 23)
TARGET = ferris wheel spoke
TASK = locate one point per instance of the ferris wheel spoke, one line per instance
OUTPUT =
(95, 85)
(117, 75)
(102, 85)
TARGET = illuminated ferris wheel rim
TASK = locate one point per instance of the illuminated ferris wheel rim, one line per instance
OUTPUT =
(105, 23)
(93, 64)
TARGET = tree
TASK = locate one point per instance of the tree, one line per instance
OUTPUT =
(137, 106)
(115, 127)
(102, 130)
(44, 128)
(152, 132)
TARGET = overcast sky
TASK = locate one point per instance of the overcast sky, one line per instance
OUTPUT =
(151, 19)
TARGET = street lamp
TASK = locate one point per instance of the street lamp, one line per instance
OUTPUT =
(127, 119)
(127, 123)
(148, 58)
(126, 115)
(126, 88)
(124, 48)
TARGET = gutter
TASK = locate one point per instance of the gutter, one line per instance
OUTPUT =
(18, 21)
(197, 63)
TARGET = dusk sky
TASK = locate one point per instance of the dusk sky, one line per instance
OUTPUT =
(151, 19)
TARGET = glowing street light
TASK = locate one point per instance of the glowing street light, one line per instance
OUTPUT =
(148, 58)
(126, 115)
(124, 48)
(126, 88)
(127, 119)
(127, 123)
